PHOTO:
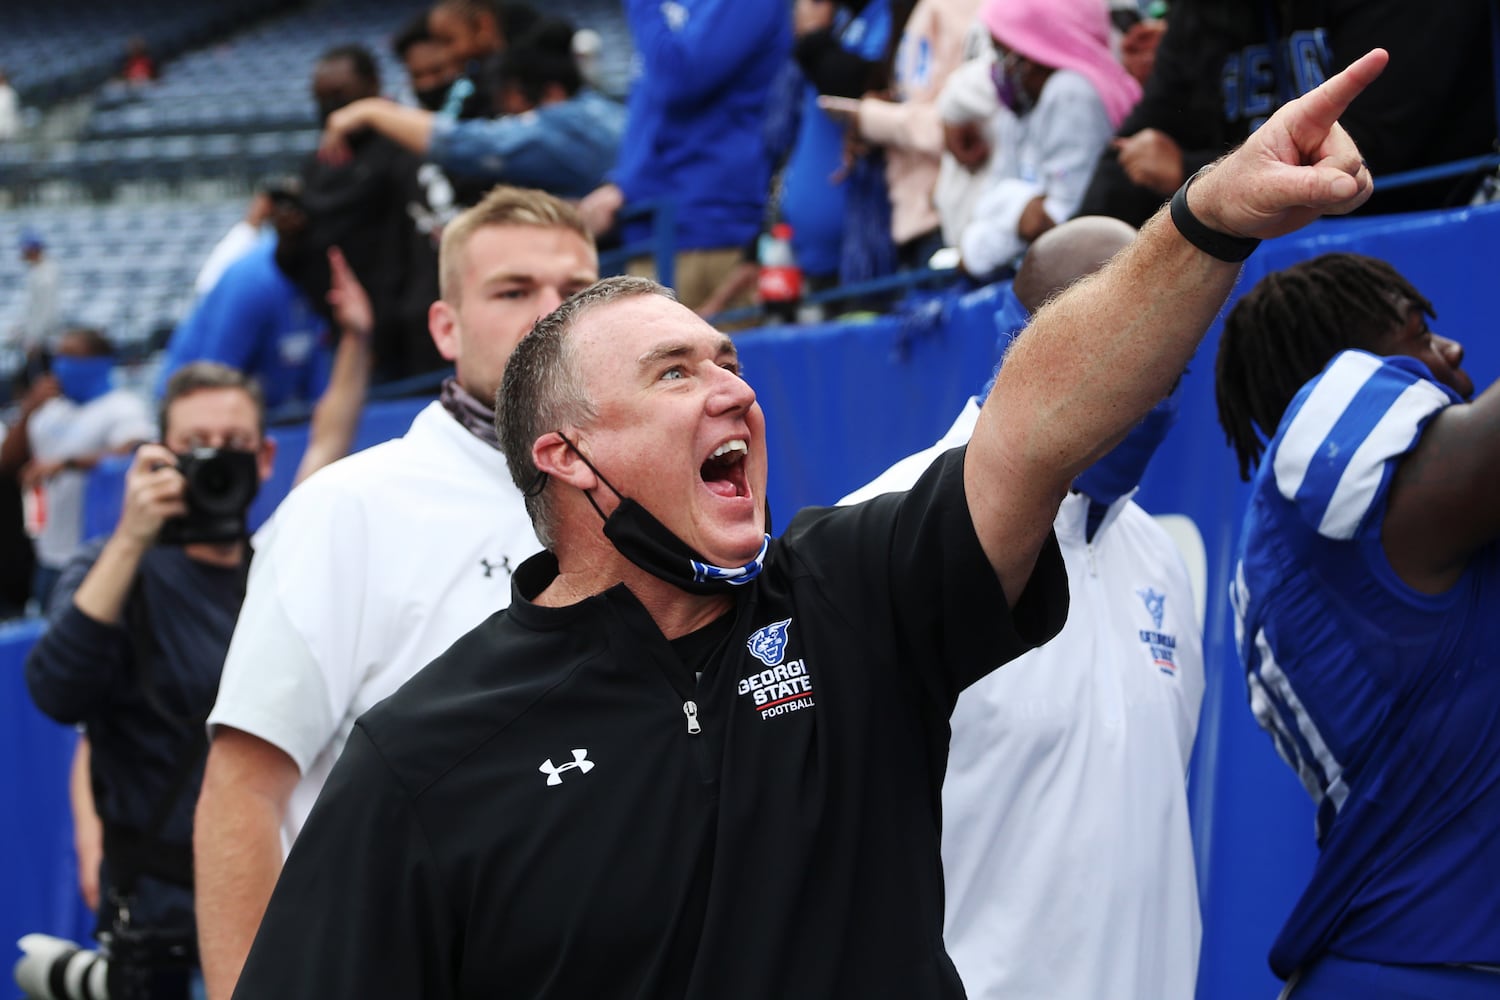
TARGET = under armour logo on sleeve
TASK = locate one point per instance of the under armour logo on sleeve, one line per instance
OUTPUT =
(554, 772)
(489, 567)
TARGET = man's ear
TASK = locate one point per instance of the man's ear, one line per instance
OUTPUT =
(265, 457)
(442, 323)
(560, 461)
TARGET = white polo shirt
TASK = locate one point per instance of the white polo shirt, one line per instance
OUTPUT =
(365, 573)
(1067, 855)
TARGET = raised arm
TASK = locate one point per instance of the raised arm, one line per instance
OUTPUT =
(1445, 498)
(692, 53)
(335, 418)
(85, 655)
(409, 127)
(15, 449)
(1093, 362)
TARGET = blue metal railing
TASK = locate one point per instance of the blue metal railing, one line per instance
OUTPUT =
(900, 282)
(1455, 168)
(661, 245)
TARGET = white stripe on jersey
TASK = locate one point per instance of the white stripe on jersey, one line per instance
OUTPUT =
(1239, 600)
(1266, 713)
(1366, 470)
(1303, 438)
(1332, 783)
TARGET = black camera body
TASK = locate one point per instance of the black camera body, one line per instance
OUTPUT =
(221, 484)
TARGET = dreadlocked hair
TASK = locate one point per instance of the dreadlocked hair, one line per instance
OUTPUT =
(1282, 333)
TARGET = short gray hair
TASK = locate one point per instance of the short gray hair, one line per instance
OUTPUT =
(542, 390)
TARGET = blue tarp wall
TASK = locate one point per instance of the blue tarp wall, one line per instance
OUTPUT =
(843, 401)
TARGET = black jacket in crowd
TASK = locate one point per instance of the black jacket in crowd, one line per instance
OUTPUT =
(1217, 77)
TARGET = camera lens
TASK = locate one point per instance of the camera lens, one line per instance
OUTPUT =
(219, 481)
(213, 478)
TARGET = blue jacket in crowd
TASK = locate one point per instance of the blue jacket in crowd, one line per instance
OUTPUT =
(566, 147)
(255, 320)
(696, 106)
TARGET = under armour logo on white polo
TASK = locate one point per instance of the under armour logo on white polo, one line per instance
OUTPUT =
(554, 772)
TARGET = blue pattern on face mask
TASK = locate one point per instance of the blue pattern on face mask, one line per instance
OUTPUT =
(83, 380)
(735, 577)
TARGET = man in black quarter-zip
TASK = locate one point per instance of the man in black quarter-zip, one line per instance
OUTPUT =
(693, 761)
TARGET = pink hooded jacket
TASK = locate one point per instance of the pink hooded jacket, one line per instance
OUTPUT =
(1066, 34)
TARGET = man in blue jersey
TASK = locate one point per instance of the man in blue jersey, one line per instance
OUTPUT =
(255, 320)
(693, 134)
(1364, 595)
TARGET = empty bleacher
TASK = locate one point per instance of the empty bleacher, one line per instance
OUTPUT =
(61, 49)
(126, 268)
(133, 198)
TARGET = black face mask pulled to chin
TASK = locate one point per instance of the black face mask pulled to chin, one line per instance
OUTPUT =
(650, 545)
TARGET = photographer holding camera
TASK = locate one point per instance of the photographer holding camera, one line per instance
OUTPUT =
(139, 629)
(134, 649)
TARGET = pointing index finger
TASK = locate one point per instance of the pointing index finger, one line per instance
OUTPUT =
(1323, 106)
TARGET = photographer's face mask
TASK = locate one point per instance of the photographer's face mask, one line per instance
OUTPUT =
(82, 380)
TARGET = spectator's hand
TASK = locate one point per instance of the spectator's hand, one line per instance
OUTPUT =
(36, 472)
(1034, 219)
(1297, 166)
(333, 148)
(967, 144)
(811, 15)
(599, 206)
(351, 303)
(153, 493)
(1152, 159)
(1138, 48)
(259, 209)
(844, 110)
(41, 390)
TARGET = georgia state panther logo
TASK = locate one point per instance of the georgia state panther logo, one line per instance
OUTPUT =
(1156, 605)
(1162, 645)
(782, 687)
(768, 644)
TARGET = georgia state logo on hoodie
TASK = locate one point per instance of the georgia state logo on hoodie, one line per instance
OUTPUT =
(780, 687)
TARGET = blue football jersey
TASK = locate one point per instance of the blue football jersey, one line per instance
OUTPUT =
(1384, 700)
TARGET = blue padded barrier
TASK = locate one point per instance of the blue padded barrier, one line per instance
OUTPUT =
(1253, 823)
(380, 421)
(842, 401)
(38, 880)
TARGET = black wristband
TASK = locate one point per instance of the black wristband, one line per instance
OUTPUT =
(1221, 246)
